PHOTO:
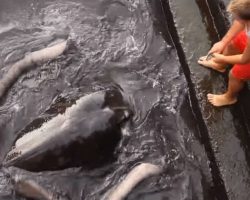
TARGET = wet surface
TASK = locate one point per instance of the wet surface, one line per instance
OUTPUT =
(111, 43)
(225, 126)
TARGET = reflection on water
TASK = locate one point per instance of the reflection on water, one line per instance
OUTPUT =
(110, 42)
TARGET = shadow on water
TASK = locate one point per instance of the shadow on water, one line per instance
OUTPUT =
(111, 43)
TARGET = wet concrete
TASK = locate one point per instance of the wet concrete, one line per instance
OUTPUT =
(225, 2)
(224, 131)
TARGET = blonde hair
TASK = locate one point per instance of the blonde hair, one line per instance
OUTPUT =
(241, 8)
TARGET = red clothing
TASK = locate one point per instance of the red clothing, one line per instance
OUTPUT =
(241, 71)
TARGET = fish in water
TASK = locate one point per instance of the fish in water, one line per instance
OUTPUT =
(85, 135)
(28, 61)
(30, 189)
(134, 177)
(27, 185)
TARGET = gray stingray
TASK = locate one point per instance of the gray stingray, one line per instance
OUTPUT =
(85, 135)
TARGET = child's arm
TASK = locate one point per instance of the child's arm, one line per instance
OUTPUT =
(235, 59)
(235, 28)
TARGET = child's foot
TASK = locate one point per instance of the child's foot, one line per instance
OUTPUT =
(220, 100)
(211, 64)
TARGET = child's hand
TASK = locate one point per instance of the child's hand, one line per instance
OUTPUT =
(218, 47)
(219, 58)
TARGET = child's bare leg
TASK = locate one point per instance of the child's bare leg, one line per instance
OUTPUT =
(230, 97)
(221, 67)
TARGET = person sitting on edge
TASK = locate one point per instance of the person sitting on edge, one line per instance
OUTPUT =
(234, 48)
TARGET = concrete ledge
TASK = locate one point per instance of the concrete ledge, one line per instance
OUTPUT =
(224, 131)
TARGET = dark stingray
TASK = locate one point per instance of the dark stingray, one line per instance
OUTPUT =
(85, 135)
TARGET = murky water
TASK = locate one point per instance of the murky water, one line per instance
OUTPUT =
(111, 42)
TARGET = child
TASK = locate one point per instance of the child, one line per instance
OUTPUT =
(234, 48)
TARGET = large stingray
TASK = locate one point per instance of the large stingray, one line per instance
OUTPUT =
(85, 135)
